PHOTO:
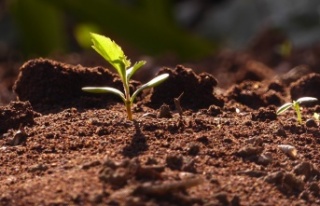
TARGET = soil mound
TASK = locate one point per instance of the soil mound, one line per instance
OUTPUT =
(197, 89)
(47, 82)
(306, 86)
(256, 94)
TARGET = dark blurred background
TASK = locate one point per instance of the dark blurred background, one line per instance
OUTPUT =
(173, 31)
(189, 29)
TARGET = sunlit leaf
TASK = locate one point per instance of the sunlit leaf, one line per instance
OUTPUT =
(306, 99)
(152, 83)
(111, 52)
(101, 90)
(134, 68)
(284, 107)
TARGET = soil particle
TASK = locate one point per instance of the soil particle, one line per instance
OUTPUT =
(214, 110)
(311, 123)
(193, 149)
(306, 169)
(277, 86)
(20, 137)
(174, 162)
(249, 151)
(314, 187)
(16, 114)
(164, 112)
(265, 158)
(286, 182)
(264, 114)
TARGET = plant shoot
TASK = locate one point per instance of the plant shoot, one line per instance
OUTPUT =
(296, 106)
(113, 53)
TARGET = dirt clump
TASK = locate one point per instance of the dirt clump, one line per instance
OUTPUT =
(48, 82)
(306, 86)
(16, 114)
(255, 94)
(194, 88)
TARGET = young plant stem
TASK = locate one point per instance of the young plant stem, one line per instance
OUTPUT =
(296, 107)
(129, 112)
(128, 101)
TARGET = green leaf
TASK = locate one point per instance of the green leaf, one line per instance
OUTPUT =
(283, 108)
(306, 99)
(134, 68)
(100, 90)
(111, 52)
(152, 83)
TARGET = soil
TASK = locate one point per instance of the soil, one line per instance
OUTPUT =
(220, 143)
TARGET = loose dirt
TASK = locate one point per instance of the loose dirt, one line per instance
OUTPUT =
(61, 146)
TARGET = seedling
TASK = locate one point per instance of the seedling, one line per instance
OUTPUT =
(316, 116)
(296, 106)
(113, 53)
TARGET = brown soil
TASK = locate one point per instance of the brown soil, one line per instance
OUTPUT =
(60, 146)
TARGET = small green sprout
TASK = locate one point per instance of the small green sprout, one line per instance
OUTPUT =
(113, 53)
(316, 116)
(296, 106)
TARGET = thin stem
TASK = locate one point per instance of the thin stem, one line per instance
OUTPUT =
(296, 107)
(128, 101)
(129, 112)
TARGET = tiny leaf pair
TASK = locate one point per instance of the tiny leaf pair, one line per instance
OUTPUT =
(296, 106)
(113, 53)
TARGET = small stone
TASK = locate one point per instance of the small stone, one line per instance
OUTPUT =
(289, 150)
(311, 123)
